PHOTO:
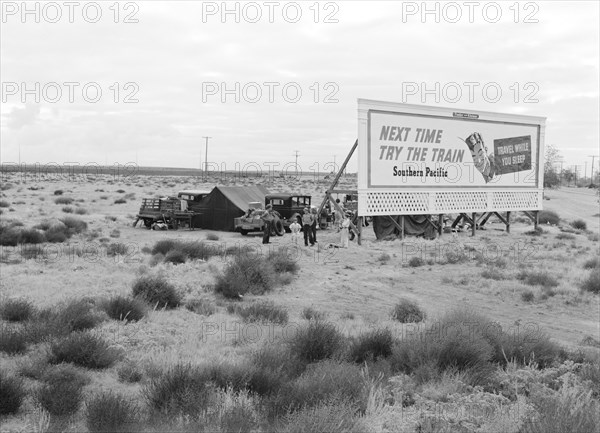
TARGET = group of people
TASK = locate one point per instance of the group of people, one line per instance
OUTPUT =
(308, 227)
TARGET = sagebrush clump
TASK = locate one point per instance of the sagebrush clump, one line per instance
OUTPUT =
(74, 225)
(537, 278)
(181, 389)
(13, 340)
(407, 311)
(592, 282)
(50, 323)
(372, 346)
(157, 291)
(108, 412)
(83, 349)
(12, 394)
(78, 315)
(244, 275)
(130, 372)
(204, 307)
(321, 382)
(548, 217)
(63, 200)
(444, 345)
(592, 263)
(282, 260)
(316, 341)
(16, 310)
(179, 251)
(310, 313)
(579, 224)
(61, 391)
(415, 262)
(263, 312)
(125, 308)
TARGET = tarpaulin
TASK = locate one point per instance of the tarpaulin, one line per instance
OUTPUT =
(414, 225)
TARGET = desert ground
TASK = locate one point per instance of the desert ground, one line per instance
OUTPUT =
(355, 288)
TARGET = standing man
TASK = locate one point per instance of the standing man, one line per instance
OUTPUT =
(313, 227)
(307, 220)
(344, 231)
(339, 217)
(267, 218)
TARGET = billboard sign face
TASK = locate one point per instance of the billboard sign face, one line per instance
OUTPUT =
(436, 152)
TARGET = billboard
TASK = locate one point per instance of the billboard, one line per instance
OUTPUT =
(447, 160)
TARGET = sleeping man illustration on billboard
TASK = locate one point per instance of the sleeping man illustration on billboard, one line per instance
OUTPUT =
(483, 162)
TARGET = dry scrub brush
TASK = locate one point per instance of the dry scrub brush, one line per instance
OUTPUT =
(248, 273)
(108, 412)
(12, 393)
(84, 349)
(125, 308)
(407, 311)
(16, 310)
(265, 311)
(61, 390)
(157, 291)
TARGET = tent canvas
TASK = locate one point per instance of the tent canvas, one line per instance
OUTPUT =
(414, 225)
(224, 203)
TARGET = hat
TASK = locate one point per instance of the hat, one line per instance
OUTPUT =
(305, 209)
(269, 206)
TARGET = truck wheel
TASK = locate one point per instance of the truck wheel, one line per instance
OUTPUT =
(148, 222)
(279, 228)
(244, 232)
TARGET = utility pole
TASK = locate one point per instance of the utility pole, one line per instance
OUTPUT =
(592, 176)
(560, 175)
(585, 172)
(296, 152)
(206, 157)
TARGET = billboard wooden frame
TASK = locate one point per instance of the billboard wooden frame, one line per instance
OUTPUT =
(466, 201)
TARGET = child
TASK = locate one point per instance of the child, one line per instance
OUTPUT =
(344, 231)
(295, 228)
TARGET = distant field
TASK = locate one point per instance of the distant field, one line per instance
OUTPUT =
(65, 171)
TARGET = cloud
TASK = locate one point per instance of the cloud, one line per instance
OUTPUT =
(21, 117)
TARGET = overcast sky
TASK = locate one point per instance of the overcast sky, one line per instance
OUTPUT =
(177, 59)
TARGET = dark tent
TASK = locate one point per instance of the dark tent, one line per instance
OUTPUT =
(414, 225)
(224, 203)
